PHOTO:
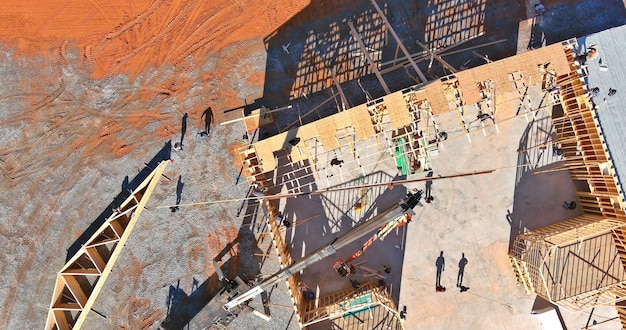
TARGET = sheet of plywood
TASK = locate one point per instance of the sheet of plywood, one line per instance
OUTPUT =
(468, 82)
(397, 110)
(328, 135)
(256, 120)
(437, 97)
(362, 122)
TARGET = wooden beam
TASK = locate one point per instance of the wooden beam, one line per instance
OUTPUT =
(72, 284)
(400, 44)
(437, 57)
(373, 65)
(344, 100)
(96, 258)
(262, 112)
(59, 318)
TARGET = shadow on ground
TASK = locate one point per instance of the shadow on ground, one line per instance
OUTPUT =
(127, 188)
(542, 184)
(316, 51)
(344, 210)
(184, 308)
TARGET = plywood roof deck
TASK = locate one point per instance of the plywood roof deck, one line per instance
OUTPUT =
(325, 129)
(398, 110)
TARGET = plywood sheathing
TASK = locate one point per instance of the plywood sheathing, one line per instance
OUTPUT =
(257, 120)
(470, 91)
(498, 73)
(435, 92)
(397, 109)
(361, 121)
(265, 150)
(327, 134)
(326, 128)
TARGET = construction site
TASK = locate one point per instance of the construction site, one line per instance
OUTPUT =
(313, 165)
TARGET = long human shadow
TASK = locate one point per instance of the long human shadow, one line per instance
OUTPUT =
(183, 128)
(462, 264)
(179, 189)
(127, 187)
(440, 265)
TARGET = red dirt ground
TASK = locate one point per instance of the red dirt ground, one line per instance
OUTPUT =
(98, 80)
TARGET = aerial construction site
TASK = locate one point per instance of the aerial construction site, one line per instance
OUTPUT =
(354, 164)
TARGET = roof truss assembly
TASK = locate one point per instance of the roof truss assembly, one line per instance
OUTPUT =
(83, 276)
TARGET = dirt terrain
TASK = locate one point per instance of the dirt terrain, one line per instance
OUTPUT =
(91, 91)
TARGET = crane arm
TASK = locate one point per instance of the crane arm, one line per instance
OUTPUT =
(354, 234)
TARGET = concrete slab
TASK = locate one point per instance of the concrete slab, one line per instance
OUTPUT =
(475, 216)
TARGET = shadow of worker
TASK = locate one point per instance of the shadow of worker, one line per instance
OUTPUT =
(441, 264)
(462, 264)
(179, 189)
(429, 185)
(183, 128)
(179, 194)
(207, 115)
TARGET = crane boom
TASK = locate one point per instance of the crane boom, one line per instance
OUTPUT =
(355, 233)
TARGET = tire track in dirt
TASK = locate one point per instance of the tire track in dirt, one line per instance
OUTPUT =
(46, 101)
(228, 27)
(183, 31)
(179, 16)
(137, 20)
(56, 14)
(97, 6)
(185, 37)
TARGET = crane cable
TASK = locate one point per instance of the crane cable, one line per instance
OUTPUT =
(330, 190)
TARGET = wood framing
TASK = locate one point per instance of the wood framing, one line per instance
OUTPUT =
(584, 147)
(80, 280)
(572, 263)
(369, 307)
(578, 263)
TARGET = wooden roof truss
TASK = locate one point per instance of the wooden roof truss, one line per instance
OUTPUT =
(80, 280)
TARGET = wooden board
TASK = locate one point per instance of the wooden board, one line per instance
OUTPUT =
(397, 110)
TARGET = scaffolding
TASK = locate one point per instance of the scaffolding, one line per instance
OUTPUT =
(400, 124)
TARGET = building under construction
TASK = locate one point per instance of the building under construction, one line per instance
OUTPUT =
(579, 263)
(394, 136)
